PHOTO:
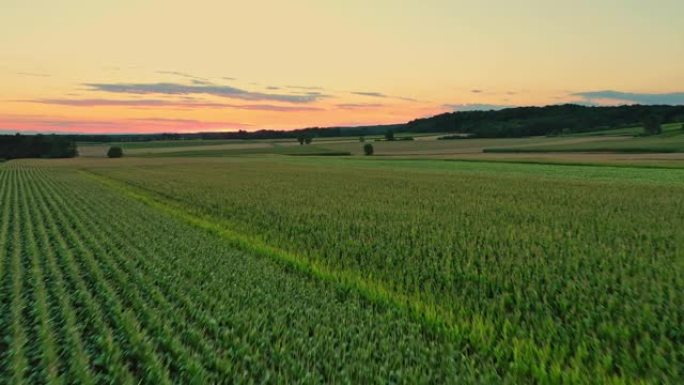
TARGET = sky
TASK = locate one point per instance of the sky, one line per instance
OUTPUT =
(143, 66)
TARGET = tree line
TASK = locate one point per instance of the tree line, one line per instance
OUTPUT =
(506, 123)
(36, 146)
(549, 120)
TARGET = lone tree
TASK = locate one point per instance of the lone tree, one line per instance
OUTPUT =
(115, 152)
(652, 125)
(308, 139)
(389, 135)
(301, 140)
(368, 149)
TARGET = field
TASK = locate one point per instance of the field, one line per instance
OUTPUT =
(502, 271)
(620, 146)
(100, 288)
(670, 141)
(258, 267)
(528, 257)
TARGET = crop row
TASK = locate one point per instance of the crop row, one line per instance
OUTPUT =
(550, 277)
(97, 288)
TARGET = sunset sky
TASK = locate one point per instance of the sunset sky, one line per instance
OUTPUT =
(181, 66)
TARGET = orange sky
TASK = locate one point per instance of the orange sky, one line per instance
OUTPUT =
(178, 66)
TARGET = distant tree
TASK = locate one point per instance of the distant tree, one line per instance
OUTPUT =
(308, 139)
(115, 152)
(301, 140)
(652, 125)
(363, 138)
(389, 135)
(368, 149)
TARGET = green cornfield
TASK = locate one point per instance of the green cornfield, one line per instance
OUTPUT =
(258, 270)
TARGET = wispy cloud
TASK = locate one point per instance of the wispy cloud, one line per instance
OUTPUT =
(371, 94)
(159, 103)
(611, 97)
(184, 75)
(475, 107)
(45, 124)
(126, 103)
(305, 87)
(406, 98)
(355, 106)
(476, 91)
(200, 124)
(270, 107)
(215, 90)
(33, 74)
(176, 73)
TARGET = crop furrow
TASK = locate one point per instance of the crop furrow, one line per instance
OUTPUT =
(145, 362)
(80, 365)
(45, 361)
(110, 357)
(6, 228)
(198, 328)
(16, 353)
(136, 290)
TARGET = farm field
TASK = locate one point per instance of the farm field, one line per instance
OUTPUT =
(208, 148)
(614, 147)
(553, 273)
(670, 141)
(281, 269)
(101, 288)
(427, 146)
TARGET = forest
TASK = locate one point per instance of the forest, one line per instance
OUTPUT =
(36, 146)
(548, 120)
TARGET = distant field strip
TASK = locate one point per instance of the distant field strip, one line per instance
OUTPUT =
(217, 151)
(100, 288)
(550, 277)
(669, 142)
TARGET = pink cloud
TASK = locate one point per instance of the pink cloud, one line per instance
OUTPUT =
(36, 123)
(177, 104)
